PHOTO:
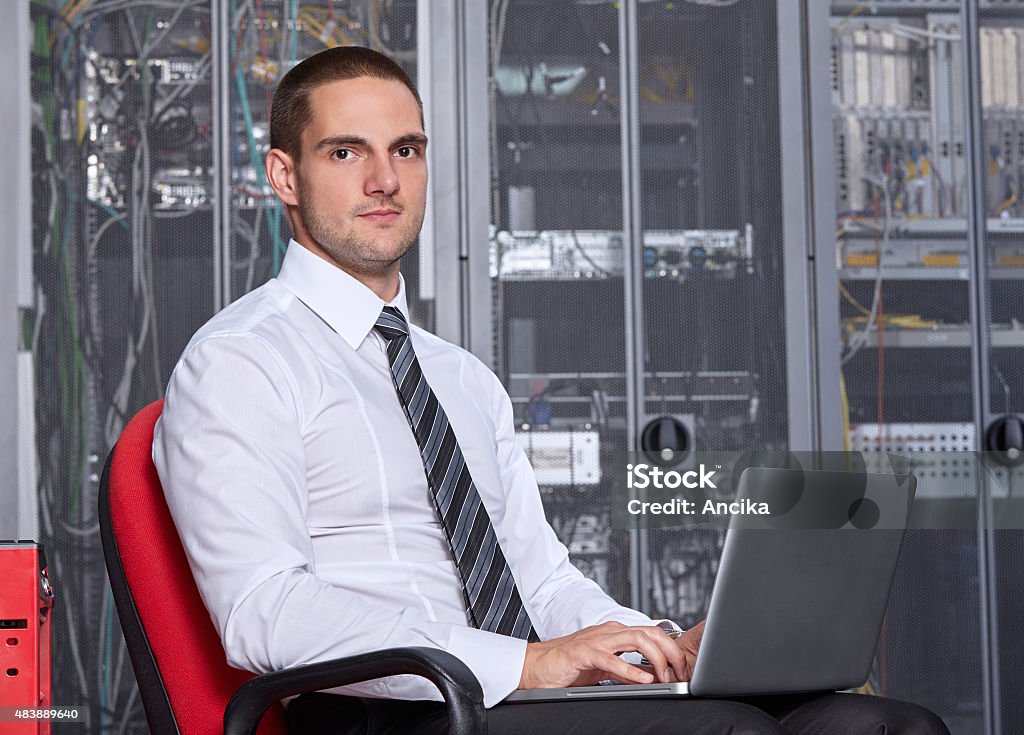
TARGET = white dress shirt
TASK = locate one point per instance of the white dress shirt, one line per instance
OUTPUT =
(300, 497)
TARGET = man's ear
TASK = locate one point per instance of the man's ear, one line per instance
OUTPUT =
(282, 176)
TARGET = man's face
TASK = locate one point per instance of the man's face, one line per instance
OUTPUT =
(362, 180)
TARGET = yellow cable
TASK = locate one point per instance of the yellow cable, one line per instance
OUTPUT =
(76, 10)
(852, 14)
(338, 36)
(317, 29)
(849, 297)
(1007, 203)
(901, 321)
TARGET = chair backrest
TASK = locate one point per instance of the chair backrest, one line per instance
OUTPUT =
(183, 676)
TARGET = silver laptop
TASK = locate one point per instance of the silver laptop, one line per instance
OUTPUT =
(800, 594)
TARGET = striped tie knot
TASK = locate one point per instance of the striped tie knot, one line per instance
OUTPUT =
(391, 324)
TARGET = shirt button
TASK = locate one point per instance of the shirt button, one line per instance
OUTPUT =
(381, 686)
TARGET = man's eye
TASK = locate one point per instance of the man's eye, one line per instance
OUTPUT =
(406, 151)
(342, 154)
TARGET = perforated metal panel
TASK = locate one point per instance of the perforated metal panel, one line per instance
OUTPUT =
(710, 256)
(130, 257)
(123, 251)
(910, 275)
(710, 161)
(557, 261)
(1001, 41)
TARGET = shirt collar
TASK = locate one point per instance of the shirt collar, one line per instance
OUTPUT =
(349, 307)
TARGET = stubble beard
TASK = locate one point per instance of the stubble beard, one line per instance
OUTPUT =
(351, 252)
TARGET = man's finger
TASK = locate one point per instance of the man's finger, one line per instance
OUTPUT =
(639, 640)
(668, 649)
(673, 654)
(621, 671)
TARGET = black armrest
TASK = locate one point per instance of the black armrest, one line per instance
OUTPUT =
(458, 685)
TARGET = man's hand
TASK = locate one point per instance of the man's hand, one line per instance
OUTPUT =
(591, 655)
(689, 643)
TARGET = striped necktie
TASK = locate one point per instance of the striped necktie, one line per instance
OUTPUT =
(491, 595)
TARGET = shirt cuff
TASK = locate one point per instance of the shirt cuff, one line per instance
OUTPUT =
(495, 660)
(670, 626)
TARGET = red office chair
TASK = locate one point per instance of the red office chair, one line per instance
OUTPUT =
(186, 684)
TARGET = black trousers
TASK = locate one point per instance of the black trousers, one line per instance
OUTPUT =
(804, 714)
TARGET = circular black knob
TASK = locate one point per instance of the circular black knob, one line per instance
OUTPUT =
(1005, 437)
(665, 440)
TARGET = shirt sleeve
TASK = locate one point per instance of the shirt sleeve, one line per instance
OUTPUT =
(559, 598)
(229, 452)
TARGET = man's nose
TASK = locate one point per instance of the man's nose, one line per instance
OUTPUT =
(382, 179)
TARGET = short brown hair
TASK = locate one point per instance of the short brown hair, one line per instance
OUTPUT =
(290, 112)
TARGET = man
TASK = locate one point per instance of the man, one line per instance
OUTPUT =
(343, 482)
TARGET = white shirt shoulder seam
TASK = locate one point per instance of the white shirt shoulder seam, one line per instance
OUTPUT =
(278, 359)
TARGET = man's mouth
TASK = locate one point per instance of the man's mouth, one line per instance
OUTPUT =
(382, 216)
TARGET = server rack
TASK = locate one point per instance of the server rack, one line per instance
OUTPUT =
(148, 121)
(645, 283)
(927, 163)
